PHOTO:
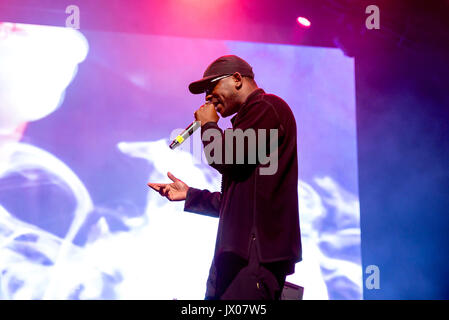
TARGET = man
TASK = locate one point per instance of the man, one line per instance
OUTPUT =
(258, 239)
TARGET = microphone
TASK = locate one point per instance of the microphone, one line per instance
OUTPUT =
(185, 134)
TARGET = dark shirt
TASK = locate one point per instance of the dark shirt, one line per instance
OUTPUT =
(252, 206)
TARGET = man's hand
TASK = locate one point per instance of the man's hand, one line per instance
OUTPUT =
(175, 191)
(206, 113)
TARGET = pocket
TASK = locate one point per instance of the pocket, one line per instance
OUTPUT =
(267, 283)
(252, 283)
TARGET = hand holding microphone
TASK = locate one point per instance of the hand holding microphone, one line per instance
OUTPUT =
(206, 113)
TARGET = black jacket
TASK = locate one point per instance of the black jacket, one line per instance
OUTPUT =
(251, 205)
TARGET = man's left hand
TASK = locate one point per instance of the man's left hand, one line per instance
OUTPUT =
(206, 113)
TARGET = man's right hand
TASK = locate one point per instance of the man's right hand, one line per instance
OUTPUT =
(176, 191)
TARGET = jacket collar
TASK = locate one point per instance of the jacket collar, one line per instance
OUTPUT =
(253, 95)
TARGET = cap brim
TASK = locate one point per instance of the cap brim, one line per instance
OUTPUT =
(201, 85)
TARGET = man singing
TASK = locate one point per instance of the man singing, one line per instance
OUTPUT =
(258, 239)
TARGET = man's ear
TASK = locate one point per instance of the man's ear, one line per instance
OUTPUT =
(238, 80)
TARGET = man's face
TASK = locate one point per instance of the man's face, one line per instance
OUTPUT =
(223, 94)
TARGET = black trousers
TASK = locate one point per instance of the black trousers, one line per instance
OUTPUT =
(239, 279)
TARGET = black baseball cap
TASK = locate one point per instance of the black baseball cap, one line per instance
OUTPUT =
(225, 65)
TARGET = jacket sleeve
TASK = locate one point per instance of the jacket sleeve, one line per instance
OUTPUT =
(203, 202)
(233, 150)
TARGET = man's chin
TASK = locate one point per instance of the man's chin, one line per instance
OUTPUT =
(225, 113)
(222, 113)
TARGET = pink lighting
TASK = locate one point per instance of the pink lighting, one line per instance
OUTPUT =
(304, 22)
